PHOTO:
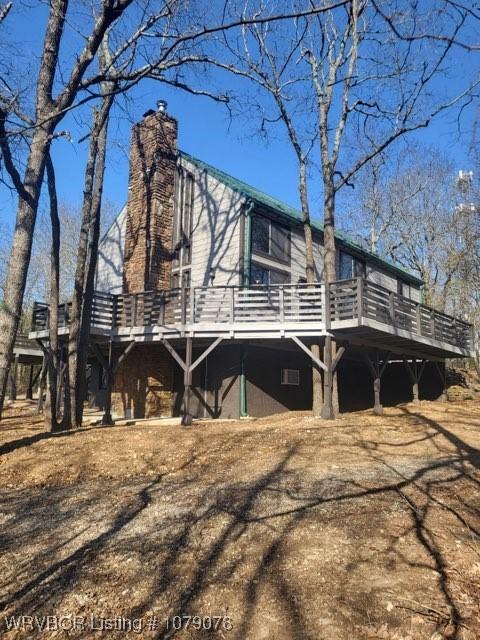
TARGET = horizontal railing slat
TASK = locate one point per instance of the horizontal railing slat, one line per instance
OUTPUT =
(347, 300)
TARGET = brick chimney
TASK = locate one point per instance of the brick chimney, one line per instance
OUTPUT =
(151, 189)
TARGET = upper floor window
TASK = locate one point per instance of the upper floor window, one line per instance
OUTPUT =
(403, 289)
(182, 238)
(265, 275)
(270, 238)
(351, 267)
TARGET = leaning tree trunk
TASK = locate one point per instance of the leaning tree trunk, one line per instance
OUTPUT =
(91, 265)
(29, 188)
(51, 418)
(76, 398)
(87, 260)
(11, 309)
(317, 384)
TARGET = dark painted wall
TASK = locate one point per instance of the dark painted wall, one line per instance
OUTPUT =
(216, 384)
(265, 393)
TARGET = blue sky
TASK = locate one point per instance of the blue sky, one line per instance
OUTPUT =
(204, 131)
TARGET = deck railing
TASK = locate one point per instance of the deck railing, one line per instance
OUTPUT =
(326, 307)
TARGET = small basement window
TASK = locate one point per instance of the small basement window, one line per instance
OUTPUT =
(291, 377)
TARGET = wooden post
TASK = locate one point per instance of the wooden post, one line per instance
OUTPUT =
(281, 303)
(415, 374)
(327, 409)
(232, 306)
(114, 311)
(13, 379)
(377, 407)
(107, 410)
(134, 309)
(377, 371)
(41, 384)
(360, 298)
(192, 305)
(419, 320)
(187, 379)
(391, 301)
(29, 393)
(442, 372)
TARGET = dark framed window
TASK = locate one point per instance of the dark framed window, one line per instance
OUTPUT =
(403, 288)
(270, 238)
(290, 377)
(261, 275)
(182, 236)
(351, 267)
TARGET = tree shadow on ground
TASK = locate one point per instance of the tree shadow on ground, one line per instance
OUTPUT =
(244, 529)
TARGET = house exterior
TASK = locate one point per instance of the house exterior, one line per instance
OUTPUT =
(203, 307)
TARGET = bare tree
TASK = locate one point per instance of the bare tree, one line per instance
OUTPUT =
(371, 87)
(49, 111)
(171, 31)
(88, 247)
(266, 62)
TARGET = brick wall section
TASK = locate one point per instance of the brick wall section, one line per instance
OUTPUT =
(150, 208)
(143, 384)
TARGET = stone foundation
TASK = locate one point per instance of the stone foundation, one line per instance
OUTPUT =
(143, 385)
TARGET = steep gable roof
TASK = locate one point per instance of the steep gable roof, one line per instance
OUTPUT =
(291, 214)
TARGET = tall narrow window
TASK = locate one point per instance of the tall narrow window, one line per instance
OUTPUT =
(270, 238)
(182, 236)
(187, 220)
(351, 267)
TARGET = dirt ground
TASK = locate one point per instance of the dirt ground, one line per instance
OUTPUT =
(283, 528)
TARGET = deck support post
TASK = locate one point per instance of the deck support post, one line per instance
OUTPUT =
(187, 383)
(111, 366)
(243, 385)
(415, 372)
(327, 409)
(42, 380)
(377, 368)
(329, 366)
(188, 367)
(31, 382)
(13, 379)
(442, 372)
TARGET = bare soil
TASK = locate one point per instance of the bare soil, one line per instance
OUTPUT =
(290, 527)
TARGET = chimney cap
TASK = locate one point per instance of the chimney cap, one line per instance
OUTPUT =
(162, 105)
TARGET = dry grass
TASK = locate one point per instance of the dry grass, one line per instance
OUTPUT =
(296, 529)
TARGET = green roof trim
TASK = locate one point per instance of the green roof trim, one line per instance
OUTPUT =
(285, 210)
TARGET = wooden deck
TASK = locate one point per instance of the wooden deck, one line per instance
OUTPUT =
(26, 351)
(356, 310)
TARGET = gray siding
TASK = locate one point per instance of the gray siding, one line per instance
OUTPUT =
(217, 221)
(216, 243)
(109, 276)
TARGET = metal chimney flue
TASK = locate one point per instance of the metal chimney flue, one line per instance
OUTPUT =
(162, 106)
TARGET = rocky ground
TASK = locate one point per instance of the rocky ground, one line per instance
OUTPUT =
(279, 528)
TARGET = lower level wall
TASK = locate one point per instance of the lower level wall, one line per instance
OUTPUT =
(143, 385)
(150, 383)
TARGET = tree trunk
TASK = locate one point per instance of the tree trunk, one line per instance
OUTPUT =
(74, 374)
(51, 417)
(330, 270)
(86, 312)
(317, 384)
(11, 309)
(87, 261)
(29, 190)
